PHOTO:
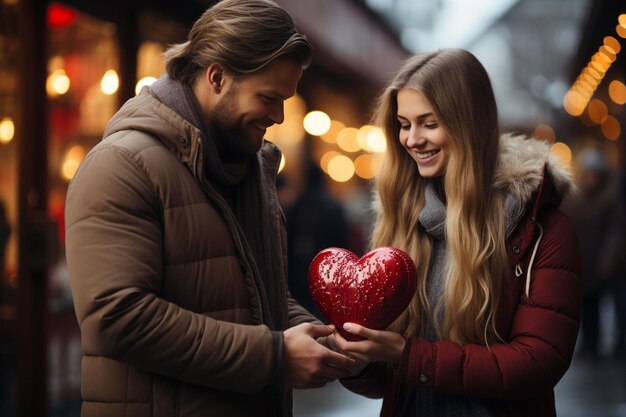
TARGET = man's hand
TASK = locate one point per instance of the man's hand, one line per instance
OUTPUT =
(309, 364)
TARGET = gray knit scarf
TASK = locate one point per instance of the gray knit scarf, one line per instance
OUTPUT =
(433, 220)
(241, 186)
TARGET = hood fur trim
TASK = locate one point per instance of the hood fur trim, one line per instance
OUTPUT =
(521, 164)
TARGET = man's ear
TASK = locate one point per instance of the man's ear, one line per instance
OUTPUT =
(214, 77)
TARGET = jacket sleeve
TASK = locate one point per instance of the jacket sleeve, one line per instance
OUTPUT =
(373, 382)
(541, 340)
(298, 314)
(115, 261)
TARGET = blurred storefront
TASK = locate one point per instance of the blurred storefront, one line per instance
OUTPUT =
(66, 67)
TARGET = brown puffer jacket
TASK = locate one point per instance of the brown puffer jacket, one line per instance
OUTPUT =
(169, 313)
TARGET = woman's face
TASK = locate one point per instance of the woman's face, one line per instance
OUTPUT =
(421, 135)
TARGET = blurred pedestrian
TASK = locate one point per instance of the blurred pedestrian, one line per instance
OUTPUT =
(315, 221)
(597, 211)
(493, 324)
(175, 241)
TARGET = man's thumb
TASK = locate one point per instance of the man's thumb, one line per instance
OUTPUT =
(318, 330)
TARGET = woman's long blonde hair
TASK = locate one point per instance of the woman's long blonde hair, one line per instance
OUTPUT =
(460, 93)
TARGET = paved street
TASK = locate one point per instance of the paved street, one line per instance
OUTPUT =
(589, 389)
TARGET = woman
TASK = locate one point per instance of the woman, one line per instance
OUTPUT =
(493, 324)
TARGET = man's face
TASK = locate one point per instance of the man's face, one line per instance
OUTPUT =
(251, 103)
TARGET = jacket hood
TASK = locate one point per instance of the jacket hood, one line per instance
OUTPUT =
(147, 114)
(521, 167)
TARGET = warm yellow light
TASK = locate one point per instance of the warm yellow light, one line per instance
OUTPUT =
(341, 168)
(331, 135)
(295, 106)
(143, 82)
(603, 62)
(71, 161)
(544, 132)
(271, 134)
(617, 92)
(621, 31)
(346, 139)
(367, 165)
(292, 130)
(593, 72)
(288, 133)
(622, 20)
(283, 161)
(598, 111)
(584, 87)
(582, 92)
(55, 62)
(7, 130)
(316, 123)
(562, 153)
(57, 83)
(606, 54)
(361, 137)
(612, 43)
(599, 66)
(376, 140)
(110, 82)
(325, 159)
(611, 128)
(588, 79)
(573, 103)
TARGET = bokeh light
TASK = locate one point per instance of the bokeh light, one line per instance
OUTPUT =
(617, 92)
(7, 130)
(331, 135)
(544, 132)
(341, 168)
(110, 82)
(71, 161)
(282, 164)
(347, 139)
(143, 82)
(316, 123)
(325, 159)
(598, 111)
(367, 165)
(611, 128)
(57, 83)
(562, 153)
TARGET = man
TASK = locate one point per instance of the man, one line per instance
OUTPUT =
(175, 239)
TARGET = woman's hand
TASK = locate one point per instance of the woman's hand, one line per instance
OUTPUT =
(378, 346)
(329, 342)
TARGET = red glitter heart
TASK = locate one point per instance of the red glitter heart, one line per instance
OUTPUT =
(372, 291)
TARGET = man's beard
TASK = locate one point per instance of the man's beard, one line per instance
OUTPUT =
(231, 135)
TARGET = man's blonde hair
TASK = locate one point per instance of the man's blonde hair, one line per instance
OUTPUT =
(243, 36)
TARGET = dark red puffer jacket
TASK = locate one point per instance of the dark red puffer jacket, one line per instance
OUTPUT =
(538, 316)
